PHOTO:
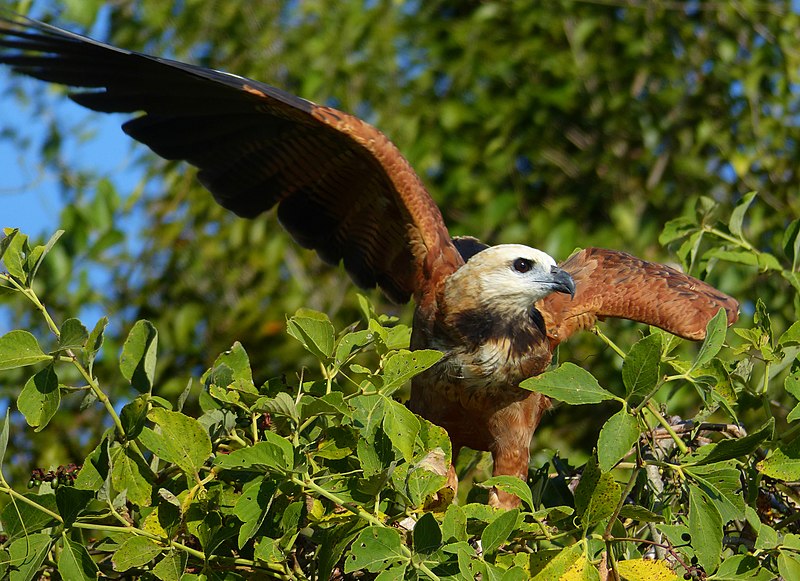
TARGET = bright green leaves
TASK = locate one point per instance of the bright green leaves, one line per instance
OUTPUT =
(39, 399)
(570, 384)
(138, 360)
(21, 260)
(19, 349)
(135, 552)
(705, 526)
(641, 365)
(715, 337)
(783, 463)
(497, 532)
(74, 562)
(131, 475)
(374, 549)
(314, 330)
(72, 335)
(401, 426)
(596, 496)
(178, 439)
(403, 365)
(274, 453)
(618, 436)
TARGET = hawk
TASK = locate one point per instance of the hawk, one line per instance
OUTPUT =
(344, 190)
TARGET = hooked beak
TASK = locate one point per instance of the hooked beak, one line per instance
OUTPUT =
(562, 281)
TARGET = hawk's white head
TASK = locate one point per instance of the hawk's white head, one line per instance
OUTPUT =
(508, 278)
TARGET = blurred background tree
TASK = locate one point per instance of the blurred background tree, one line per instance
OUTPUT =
(556, 124)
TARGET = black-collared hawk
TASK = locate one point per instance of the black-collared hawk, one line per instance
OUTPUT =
(343, 189)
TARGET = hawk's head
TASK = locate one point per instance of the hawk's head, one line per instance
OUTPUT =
(507, 279)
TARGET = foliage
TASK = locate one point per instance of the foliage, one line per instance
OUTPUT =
(329, 474)
(556, 125)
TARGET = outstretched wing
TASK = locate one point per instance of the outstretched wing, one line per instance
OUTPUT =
(341, 187)
(609, 283)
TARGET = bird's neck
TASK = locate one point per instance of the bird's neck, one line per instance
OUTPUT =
(480, 325)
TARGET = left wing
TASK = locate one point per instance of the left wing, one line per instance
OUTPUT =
(609, 283)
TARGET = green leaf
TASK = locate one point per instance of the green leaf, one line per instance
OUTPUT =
(512, 485)
(314, 331)
(705, 527)
(18, 349)
(350, 342)
(454, 524)
(761, 260)
(182, 440)
(329, 404)
(783, 463)
(72, 502)
(404, 365)
(21, 519)
(367, 412)
(617, 437)
(37, 255)
(4, 437)
(27, 555)
(273, 453)
(15, 243)
(597, 494)
(427, 536)
(402, 427)
(74, 562)
(497, 532)
(561, 563)
(252, 506)
(737, 215)
(73, 335)
(138, 360)
(129, 473)
(675, 229)
(741, 447)
(426, 477)
(8, 236)
(396, 573)
(238, 362)
(95, 468)
(374, 549)
(133, 416)
(171, 567)
(283, 404)
(741, 568)
(715, 337)
(721, 483)
(95, 341)
(641, 365)
(791, 336)
(639, 513)
(789, 565)
(136, 551)
(570, 384)
(40, 398)
(375, 453)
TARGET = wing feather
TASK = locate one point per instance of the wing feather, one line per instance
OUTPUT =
(341, 187)
(610, 283)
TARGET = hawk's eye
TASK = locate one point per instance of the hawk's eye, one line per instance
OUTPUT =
(522, 265)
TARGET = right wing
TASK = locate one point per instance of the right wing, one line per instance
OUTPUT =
(341, 187)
